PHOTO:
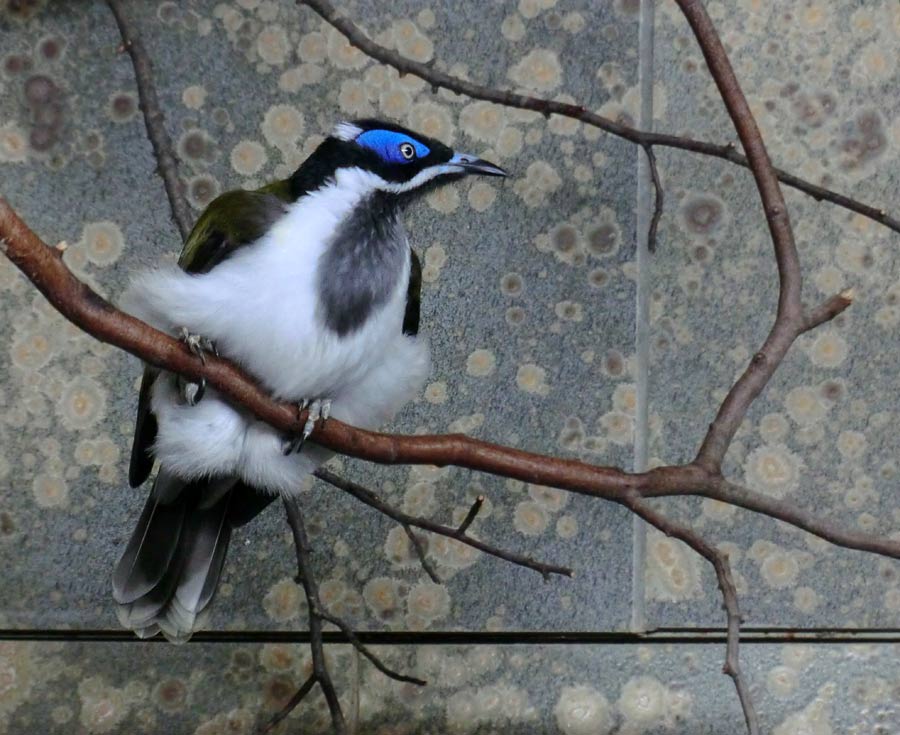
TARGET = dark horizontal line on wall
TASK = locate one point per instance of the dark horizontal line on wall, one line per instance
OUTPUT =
(659, 636)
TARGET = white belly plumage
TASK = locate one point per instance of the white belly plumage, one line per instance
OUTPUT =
(260, 307)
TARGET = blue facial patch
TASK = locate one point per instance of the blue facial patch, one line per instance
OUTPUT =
(390, 145)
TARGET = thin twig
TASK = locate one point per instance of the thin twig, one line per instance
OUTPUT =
(438, 79)
(658, 199)
(166, 163)
(354, 640)
(366, 496)
(419, 548)
(470, 516)
(290, 706)
(306, 577)
(720, 563)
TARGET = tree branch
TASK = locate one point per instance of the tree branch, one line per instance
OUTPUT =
(166, 163)
(438, 79)
(366, 496)
(722, 568)
(306, 577)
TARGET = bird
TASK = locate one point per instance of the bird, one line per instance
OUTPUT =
(310, 285)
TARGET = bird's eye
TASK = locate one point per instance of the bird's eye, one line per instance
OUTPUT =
(407, 151)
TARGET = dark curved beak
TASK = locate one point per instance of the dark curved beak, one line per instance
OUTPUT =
(464, 163)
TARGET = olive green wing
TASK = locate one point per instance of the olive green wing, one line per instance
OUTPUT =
(231, 221)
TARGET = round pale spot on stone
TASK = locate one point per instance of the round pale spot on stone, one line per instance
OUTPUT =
(196, 146)
(779, 570)
(530, 518)
(851, 444)
(532, 378)
(703, 214)
(481, 196)
(122, 106)
(292, 80)
(567, 527)
(13, 144)
(282, 601)
(509, 142)
(482, 120)
(395, 102)
(50, 491)
(828, 350)
(539, 70)
(643, 700)
(512, 28)
(201, 190)
(382, 597)
(481, 363)
(618, 427)
(432, 119)
(782, 681)
(773, 427)
(82, 404)
(248, 157)
(774, 469)
(342, 54)
(805, 406)
(582, 710)
(312, 47)
(511, 284)
(436, 392)
(806, 600)
(194, 97)
(272, 45)
(103, 242)
(282, 125)
(444, 200)
(428, 602)
(411, 42)
(570, 311)
(551, 498)
(354, 98)
(540, 180)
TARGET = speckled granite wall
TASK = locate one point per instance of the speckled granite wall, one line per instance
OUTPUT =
(529, 300)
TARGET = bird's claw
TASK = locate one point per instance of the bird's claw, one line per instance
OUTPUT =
(320, 408)
(192, 393)
(198, 344)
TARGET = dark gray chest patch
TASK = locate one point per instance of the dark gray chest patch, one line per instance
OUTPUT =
(361, 266)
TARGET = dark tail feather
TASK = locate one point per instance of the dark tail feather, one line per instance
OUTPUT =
(170, 569)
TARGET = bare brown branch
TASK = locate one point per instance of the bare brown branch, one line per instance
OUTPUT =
(291, 705)
(96, 316)
(166, 162)
(438, 79)
(658, 199)
(306, 577)
(722, 568)
(366, 496)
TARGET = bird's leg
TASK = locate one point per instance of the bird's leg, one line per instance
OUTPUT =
(192, 393)
(320, 408)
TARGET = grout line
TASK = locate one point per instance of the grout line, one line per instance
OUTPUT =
(667, 636)
(643, 204)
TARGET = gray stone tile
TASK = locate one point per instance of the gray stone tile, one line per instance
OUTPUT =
(207, 688)
(822, 434)
(603, 689)
(202, 688)
(528, 295)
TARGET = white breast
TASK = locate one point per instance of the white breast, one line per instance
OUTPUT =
(260, 308)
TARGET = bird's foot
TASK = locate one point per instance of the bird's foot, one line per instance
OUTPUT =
(192, 393)
(320, 408)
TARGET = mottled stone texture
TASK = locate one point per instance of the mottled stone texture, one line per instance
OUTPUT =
(529, 300)
(225, 688)
(824, 433)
